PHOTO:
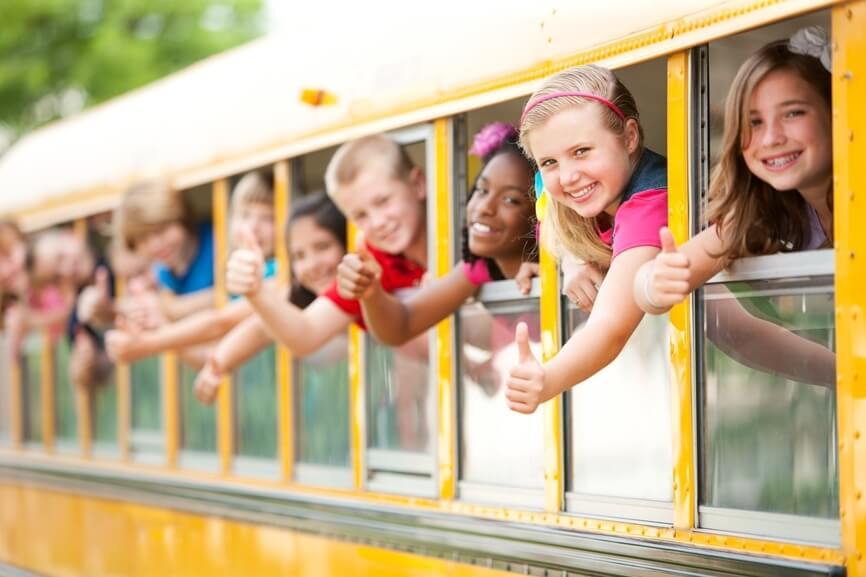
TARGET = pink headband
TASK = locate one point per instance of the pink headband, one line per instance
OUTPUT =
(533, 103)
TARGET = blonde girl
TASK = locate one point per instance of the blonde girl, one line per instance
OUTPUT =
(607, 202)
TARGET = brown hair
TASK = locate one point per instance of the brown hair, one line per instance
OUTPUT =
(759, 218)
(562, 226)
(352, 157)
(146, 207)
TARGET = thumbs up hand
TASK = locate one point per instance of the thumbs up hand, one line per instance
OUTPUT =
(668, 280)
(245, 266)
(525, 384)
(358, 273)
(94, 304)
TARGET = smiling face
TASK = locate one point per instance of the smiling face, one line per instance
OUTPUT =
(500, 210)
(165, 245)
(315, 253)
(390, 212)
(789, 146)
(259, 218)
(585, 166)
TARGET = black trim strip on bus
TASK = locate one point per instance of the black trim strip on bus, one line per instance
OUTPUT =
(510, 546)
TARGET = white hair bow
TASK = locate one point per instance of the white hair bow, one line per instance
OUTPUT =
(812, 41)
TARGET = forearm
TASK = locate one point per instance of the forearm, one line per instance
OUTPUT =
(195, 356)
(202, 327)
(176, 307)
(302, 331)
(241, 344)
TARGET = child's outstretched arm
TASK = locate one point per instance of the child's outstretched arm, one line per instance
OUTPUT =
(394, 322)
(303, 331)
(176, 307)
(677, 271)
(237, 347)
(613, 319)
(202, 327)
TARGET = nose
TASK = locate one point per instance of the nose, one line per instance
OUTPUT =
(486, 204)
(774, 133)
(569, 175)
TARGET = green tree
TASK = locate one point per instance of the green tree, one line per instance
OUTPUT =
(60, 56)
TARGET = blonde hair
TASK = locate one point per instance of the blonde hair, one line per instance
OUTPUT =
(255, 187)
(563, 227)
(148, 206)
(352, 157)
(761, 220)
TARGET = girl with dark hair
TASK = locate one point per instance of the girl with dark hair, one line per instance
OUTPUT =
(498, 240)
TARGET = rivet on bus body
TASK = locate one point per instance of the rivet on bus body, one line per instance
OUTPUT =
(856, 434)
(851, 254)
(850, 14)
(850, 136)
(859, 495)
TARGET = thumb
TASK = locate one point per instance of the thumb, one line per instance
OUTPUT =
(667, 239)
(361, 248)
(248, 240)
(521, 337)
(101, 281)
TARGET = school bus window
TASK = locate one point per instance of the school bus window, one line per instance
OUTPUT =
(5, 391)
(500, 452)
(316, 238)
(147, 441)
(400, 383)
(766, 360)
(618, 422)
(31, 387)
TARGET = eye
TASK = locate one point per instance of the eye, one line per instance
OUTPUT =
(512, 200)
(380, 200)
(795, 113)
(480, 190)
(755, 122)
(547, 163)
(581, 151)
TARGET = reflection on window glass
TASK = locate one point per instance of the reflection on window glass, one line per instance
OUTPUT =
(498, 446)
(400, 398)
(620, 420)
(256, 406)
(769, 435)
(31, 387)
(64, 394)
(322, 409)
(104, 413)
(197, 421)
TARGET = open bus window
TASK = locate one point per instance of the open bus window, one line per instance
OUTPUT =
(400, 384)
(321, 379)
(766, 364)
(618, 422)
(5, 391)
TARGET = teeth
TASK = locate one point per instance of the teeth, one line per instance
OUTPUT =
(583, 191)
(481, 227)
(782, 160)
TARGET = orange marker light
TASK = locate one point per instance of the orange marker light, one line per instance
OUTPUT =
(315, 97)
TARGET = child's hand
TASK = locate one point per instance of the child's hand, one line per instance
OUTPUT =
(94, 303)
(524, 276)
(668, 280)
(582, 281)
(245, 266)
(120, 346)
(207, 382)
(358, 274)
(525, 384)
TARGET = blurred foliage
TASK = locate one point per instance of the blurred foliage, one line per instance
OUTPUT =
(60, 56)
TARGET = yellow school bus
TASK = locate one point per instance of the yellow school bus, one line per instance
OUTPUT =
(675, 460)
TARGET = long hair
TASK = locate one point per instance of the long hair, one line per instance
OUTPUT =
(326, 215)
(491, 141)
(760, 219)
(563, 227)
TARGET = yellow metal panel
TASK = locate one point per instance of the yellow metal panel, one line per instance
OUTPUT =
(123, 378)
(356, 391)
(552, 410)
(285, 389)
(225, 398)
(47, 373)
(171, 417)
(55, 533)
(447, 436)
(680, 317)
(849, 146)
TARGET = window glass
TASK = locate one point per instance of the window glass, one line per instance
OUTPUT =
(256, 406)
(620, 420)
(197, 421)
(769, 435)
(31, 387)
(146, 406)
(322, 390)
(497, 446)
(65, 428)
(5, 389)
(104, 414)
